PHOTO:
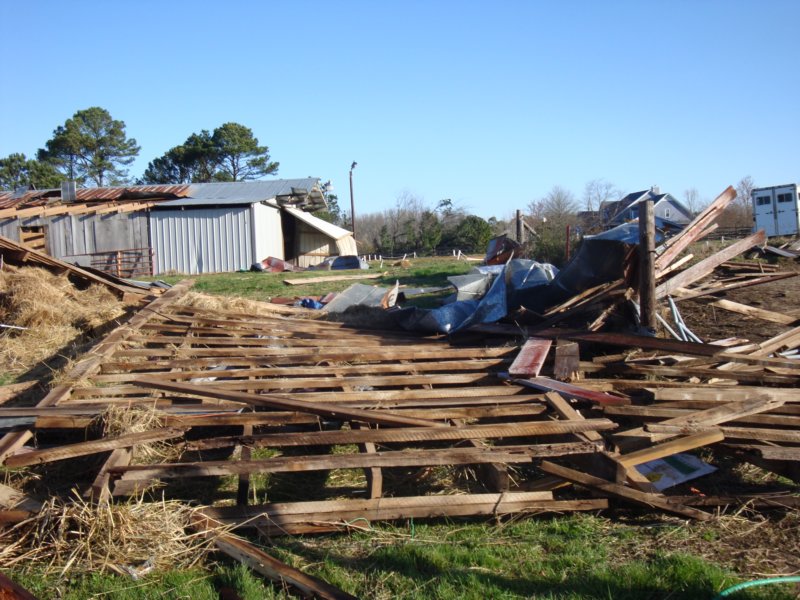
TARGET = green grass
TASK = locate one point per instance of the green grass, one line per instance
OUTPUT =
(423, 272)
(574, 557)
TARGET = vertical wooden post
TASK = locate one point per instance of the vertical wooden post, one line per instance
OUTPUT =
(520, 233)
(647, 274)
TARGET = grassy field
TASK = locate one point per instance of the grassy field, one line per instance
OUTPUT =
(559, 558)
(422, 272)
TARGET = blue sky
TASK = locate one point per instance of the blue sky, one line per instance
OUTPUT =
(490, 104)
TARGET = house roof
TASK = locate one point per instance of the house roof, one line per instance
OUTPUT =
(614, 209)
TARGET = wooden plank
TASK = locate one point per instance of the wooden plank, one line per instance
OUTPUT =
(675, 446)
(13, 591)
(409, 434)
(683, 294)
(325, 462)
(571, 391)
(695, 230)
(731, 433)
(263, 563)
(566, 366)
(620, 491)
(531, 357)
(391, 508)
(566, 411)
(707, 265)
(100, 490)
(336, 412)
(37, 457)
(316, 370)
(11, 498)
(328, 278)
(755, 313)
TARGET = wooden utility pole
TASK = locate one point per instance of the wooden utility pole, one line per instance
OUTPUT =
(520, 231)
(647, 274)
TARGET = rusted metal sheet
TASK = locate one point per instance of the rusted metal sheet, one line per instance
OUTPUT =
(530, 359)
(131, 192)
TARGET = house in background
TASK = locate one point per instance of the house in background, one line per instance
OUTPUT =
(666, 207)
(192, 228)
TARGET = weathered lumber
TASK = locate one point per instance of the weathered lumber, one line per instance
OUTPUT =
(408, 434)
(620, 491)
(328, 278)
(756, 313)
(341, 512)
(707, 265)
(36, 457)
(731, 433)
(675, 446)
(695, 230)
(325, 462)
(340, 412)
(263, 563)
(530, 359)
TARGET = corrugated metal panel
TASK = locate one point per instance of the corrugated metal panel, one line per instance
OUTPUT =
(329, 229)
(267, 232)
(240, 192)
(210, 240)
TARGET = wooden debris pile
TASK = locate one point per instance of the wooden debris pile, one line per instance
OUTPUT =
(292, 424)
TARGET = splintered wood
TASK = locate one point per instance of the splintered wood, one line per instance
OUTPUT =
(386, 425)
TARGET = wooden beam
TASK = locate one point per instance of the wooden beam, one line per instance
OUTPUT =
(620, 491)
(37, 457)
(707, 265)
(263, 563)
(270, 401)
(409, 434)
(675, 446)
(326, 462)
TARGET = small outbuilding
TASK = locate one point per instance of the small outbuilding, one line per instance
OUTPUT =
(192, 229)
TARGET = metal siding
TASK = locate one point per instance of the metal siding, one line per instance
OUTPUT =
(198, 241)
(267, 232)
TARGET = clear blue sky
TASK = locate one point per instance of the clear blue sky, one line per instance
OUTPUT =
(490, 104)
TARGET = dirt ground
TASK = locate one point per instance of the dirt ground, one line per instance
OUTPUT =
(711, 323)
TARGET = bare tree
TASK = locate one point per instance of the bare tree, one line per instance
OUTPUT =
(597, 192)
(691, 198)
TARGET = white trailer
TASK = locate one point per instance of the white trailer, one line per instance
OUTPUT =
(775, 209)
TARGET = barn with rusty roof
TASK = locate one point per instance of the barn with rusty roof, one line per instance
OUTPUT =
(194, 228)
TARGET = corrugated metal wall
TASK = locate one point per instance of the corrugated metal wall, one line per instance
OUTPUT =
(312, 246)
(202, 240)
(267, 232)
(68, 235)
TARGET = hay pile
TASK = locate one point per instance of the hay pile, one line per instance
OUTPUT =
(57, 315)
(227, 304)
(131, 538)
(120, 420)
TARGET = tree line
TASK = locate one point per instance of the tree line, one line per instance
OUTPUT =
(92, 147)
